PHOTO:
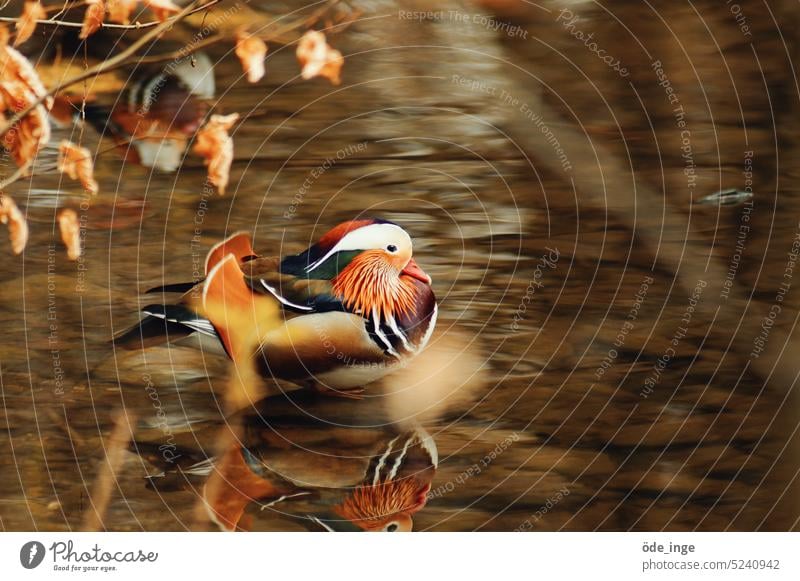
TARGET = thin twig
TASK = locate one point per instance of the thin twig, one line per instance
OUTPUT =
(182, 52)
(135, 26)
(21, 171)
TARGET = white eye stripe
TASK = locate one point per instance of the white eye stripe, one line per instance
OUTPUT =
(374, 236)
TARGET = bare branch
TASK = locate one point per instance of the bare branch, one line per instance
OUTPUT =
(135, 26)
(20, 172)
(114, 62)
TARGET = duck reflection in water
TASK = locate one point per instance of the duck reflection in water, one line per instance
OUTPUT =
(313, 466)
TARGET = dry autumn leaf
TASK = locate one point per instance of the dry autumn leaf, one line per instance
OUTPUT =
(119, 11)
(93, 17)
(251, 50)
(29, 135)
(318, 59)
(163, 9)
(20, 87)
(17, 225)
(70, 232)
(76, 162)
(31, 12)
(216, 146)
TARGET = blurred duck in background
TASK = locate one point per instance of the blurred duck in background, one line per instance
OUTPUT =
(156, 116)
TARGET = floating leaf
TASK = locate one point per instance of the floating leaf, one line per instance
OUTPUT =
(318, 59)
(76, 162)
(93, 18)
(216, 146)
(251, 50)
(31, 12)
(70, 232)
(17, 225)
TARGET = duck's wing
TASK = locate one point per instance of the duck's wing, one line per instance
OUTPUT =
(296, 294)
(245, 273)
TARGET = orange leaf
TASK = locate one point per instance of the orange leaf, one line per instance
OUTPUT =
(120, 10)
(216, 146)
(76, 162)
(93, 17)
(28, 136)
(31, 12)
(17, 225)
(70, 232)
(163, 9)
(318, 59)
(251, 50)
(20, 87)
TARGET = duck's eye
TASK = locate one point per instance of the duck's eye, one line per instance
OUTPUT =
(391, 248)
(391, 528)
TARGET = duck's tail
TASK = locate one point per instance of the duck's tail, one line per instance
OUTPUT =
(171, 322)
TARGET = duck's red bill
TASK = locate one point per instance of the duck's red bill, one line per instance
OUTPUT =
(413, 270)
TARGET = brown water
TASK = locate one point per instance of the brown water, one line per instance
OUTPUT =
(571, 273)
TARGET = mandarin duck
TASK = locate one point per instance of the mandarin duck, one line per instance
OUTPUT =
(303, 462)
(353, 307)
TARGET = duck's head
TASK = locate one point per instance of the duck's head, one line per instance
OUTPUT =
(383, 244)
(370, 263)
